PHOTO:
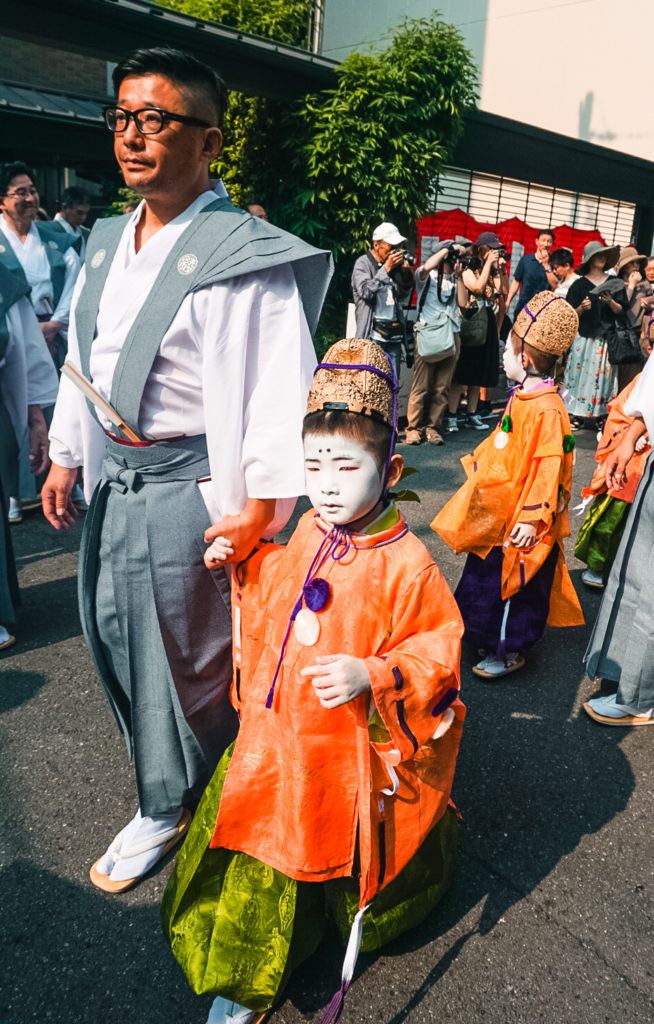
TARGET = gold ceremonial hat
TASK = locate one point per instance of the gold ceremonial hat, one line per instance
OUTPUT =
(548, 323)
(361, 389)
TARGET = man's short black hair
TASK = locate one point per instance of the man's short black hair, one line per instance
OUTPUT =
(10, 171)
(181, 68)
(562, 258)
(545, 231)
(73, 196)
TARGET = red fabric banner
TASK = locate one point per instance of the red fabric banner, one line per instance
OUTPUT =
(450, 223)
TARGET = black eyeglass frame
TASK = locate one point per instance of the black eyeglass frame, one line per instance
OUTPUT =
(165, 115)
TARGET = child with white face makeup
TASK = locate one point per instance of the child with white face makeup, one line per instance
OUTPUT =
(511, 514)
(347, 646)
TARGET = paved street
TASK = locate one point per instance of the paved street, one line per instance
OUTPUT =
(552, 911)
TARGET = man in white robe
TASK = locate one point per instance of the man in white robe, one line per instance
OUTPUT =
(72, 217)
(45, 257)
(28, 381)
(228, 377)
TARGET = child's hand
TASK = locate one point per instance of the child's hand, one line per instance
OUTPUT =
(218, 552)
(338, 678)
(642, 443)
(523, 535)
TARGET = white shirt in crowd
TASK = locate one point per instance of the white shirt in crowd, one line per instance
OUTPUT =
(69, 229)
(434, 304)
(563, 287)
(32, 256)
(236, 363)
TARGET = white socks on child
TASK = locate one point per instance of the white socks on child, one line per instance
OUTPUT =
(138, 847)
(225, 1011)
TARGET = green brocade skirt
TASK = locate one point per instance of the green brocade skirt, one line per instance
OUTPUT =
(601, 532)
(238, 928)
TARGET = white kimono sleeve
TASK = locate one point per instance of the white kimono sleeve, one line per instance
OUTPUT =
(258, 364)
(76, 438)
(42, 380)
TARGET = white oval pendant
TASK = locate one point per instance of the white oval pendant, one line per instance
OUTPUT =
(307, 627)
(501, 439)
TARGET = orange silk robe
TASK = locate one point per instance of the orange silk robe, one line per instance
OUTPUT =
(528, 481)
(304, 789)
(615, 428)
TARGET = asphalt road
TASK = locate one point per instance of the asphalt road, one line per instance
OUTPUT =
(551, 914)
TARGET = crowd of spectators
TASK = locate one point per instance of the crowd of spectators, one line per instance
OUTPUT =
(465, 306)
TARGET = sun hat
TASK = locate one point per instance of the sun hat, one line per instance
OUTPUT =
(595, 248)
(612, 285)
(387, 232)
(366, 389)
(548, 323)
(630, 254)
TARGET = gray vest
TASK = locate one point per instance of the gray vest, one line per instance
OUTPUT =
(56, 243)
(11, 290)
(220, 243)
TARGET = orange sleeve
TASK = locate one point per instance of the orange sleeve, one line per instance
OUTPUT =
(415, 678)
(251, 585)
(540, 496)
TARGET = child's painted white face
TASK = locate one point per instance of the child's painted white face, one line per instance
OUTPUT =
(512, 361)
(343, 482)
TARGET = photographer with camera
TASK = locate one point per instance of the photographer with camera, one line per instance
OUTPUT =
(486, 285)
(382, 280)
(441, 293)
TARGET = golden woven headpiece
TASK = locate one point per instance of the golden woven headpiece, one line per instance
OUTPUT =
(366, 388)
(548, 323)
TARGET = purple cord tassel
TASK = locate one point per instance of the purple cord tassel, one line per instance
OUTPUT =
(334, 1008)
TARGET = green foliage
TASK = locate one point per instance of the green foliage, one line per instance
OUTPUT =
(253, 160)
(126, 198)
(333, 165)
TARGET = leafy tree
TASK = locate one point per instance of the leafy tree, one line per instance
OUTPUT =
(332, 165)
(371, 149)
(252, 159)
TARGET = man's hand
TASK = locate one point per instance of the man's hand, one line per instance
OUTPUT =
(338, 678)
(523, 535)
(394, 258)
(58, 508)
(241, 533)
(39, 460)
(615, 467)
(50, 329)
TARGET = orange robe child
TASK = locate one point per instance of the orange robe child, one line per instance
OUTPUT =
(335, 799)
(601, 531)
(511, 514)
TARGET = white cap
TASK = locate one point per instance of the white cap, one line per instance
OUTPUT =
(387, 233)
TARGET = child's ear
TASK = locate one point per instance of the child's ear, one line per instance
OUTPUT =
(395, 471)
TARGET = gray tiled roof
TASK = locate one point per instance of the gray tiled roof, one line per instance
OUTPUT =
(25, 99)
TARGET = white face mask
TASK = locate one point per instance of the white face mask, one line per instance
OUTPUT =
(342, 479)
(512, 363)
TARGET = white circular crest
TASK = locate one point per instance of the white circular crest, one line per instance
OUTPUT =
(187, 263)
(98, 258)
(3, 248)
(307, 627)
(501, 439)
(52, 244)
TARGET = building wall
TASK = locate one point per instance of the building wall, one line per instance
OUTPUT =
(47, 68)
(578, 68)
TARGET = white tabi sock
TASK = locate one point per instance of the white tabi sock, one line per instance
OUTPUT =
(4, 635)
(138, 846)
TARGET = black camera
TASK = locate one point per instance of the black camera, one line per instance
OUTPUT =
(407, 257)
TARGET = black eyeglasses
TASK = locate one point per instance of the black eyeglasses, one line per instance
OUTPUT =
(22, 193)
(148, 120)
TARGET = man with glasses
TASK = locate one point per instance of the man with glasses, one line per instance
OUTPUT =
(193, 319)
(42, 256)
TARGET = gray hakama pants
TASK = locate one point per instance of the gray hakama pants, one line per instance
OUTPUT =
(621, 647)
(156, 620)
